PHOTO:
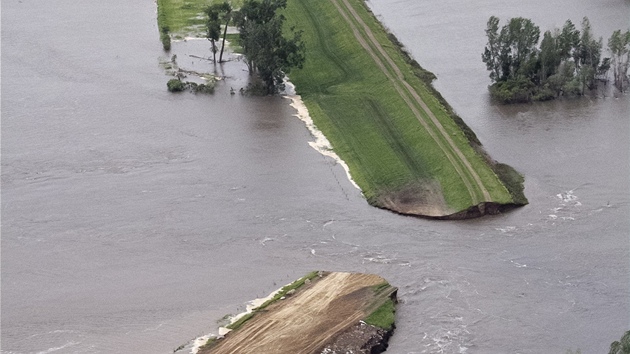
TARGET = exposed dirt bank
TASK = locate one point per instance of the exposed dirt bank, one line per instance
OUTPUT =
(324, 315)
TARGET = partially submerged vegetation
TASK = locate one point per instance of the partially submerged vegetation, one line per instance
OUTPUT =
(183, 18)
(178, 85)
(270, 52)
(384, 317)
(405, 147)
(567, 62)
(621, 346)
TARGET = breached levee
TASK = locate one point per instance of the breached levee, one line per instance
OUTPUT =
(399, 140)
(322, 312)
(372, 109)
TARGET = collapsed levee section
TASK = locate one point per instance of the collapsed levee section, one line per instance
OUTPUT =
(329, 313)
(364, 337)
(425, 199)
(407, 149)
(421, 198)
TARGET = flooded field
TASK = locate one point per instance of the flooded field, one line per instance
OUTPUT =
(133, 219)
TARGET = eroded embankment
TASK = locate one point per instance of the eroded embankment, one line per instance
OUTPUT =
(329, 312)
(403, 145)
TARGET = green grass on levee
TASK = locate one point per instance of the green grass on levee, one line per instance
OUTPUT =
(354, 104)
(366, 120)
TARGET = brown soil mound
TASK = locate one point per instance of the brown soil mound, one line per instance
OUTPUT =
(423, 198)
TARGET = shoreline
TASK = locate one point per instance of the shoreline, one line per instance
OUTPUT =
(321, 143)
(401, 145)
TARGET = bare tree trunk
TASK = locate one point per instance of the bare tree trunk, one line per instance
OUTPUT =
(223, 42)
(214, 51)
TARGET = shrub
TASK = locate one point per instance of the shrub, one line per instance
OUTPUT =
(544, 94)
(384, 317)
(175, 85)
(512, 91)
(202, 88)
(256, 88)
(166, 41)
(572, 88)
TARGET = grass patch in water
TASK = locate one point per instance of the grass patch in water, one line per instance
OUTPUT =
(187, 17)
(384, 316)
(209, 343)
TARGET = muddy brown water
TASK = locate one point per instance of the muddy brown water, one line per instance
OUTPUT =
(132, 218)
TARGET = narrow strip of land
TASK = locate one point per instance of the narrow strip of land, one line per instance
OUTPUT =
(400, 79)
(402, 143)
(310, 319)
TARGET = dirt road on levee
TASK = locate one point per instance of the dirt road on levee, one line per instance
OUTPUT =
(308, 320)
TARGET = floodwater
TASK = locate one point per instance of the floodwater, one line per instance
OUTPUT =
(133, 219)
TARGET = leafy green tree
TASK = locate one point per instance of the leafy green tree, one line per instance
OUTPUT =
(213, 28)
(568, 40)
(511, 52)
(588, 55)
(225, 11)
(549, 55)
(523, 39)
(492, 53)
(566, 62)
(619, 46)
(267, 51)
(511, 56)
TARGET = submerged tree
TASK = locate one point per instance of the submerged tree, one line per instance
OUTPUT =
(213, 28)
(588, 55)
(549, 56)
(566, 62)
(511, 53)
(215, 14)
(225, 10)
(619, 46)
(267, 51)
(492, 53)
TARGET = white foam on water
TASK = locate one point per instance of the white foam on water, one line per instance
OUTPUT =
(321, 143)
(199, 342)
(249, 308)
(567, 196)
(54, 349)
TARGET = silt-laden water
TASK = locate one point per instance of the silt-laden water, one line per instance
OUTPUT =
(133, 219)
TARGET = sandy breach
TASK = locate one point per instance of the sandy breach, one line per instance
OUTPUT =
(321, 144)
(315, 317)
(252, 305)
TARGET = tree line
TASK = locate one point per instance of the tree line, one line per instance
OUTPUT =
(567, 61)
(269, 52)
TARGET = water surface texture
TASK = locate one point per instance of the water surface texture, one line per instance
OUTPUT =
(132, 218)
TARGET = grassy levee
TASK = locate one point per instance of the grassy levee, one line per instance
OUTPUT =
(367, 111)
(404, 146)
